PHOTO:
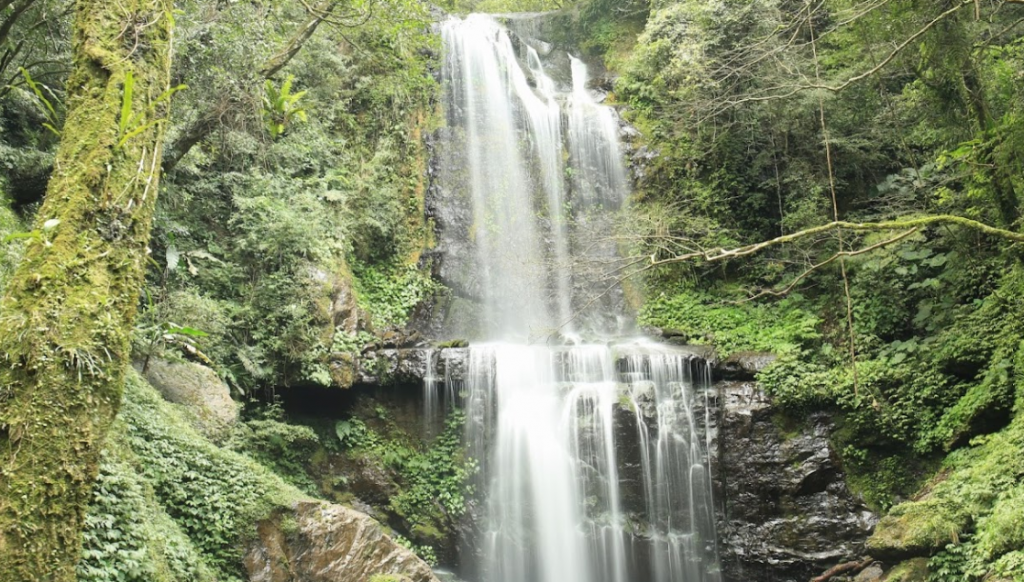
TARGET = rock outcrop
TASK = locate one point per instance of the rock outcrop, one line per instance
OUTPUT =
(321, 542)
(743, 365)
(786, 512)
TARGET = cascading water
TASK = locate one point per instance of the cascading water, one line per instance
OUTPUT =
(593, 465)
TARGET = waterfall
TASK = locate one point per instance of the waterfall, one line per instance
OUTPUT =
(593, 456)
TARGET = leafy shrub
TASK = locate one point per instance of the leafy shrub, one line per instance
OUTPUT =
(783, 328)
(392, 292)
(214, 496)
(128, 537)
(281, 447)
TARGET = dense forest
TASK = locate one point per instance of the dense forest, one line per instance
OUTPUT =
(234, 196)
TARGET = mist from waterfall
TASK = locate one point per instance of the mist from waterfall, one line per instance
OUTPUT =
(593, 457)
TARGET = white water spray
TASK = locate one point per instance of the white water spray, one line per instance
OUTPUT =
(593, 466)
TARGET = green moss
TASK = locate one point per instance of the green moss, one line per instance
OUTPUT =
(69, 307)
(918, 528)
(882, 477)
(788, 426)
(915, 570)
(1002, 530)
(455, 343)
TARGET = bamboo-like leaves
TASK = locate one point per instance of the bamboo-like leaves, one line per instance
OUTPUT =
(45, 105)
(130, 124)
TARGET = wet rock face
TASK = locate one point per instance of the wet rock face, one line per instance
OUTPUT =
(404, 366)
(321, 542)
(786, 513)
(744, 365)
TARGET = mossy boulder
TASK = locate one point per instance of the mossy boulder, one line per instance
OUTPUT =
(978, 496)
(913, 570)
(916, 529)
(197, 388)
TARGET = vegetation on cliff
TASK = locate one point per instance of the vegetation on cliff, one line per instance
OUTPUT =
(774, 120)
(291, 220)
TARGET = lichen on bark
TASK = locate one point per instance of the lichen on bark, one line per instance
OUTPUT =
(66, 317)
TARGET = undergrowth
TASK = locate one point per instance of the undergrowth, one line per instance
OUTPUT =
(169, 504)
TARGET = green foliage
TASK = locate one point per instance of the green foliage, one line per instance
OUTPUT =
(9, 252)
(128, 535)
(213, 496)
(350, 343)
(46, 107)
(425, 553)
(435, 478)
(265, 214)
(972, 509)
(880, 476)
(502, 6)
(283, 448)
(130, 124)
(432, 478)
(281, 107)
(782, 329)
(390, 293)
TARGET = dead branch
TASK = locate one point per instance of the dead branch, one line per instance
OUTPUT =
(843, 568)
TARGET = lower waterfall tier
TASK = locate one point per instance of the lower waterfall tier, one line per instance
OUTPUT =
(594, 462)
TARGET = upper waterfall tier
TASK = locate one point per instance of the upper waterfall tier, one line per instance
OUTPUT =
(540, 164)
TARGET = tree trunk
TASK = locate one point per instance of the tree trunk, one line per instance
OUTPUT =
(66, 319)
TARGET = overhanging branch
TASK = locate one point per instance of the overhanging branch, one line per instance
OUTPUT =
(720, 254)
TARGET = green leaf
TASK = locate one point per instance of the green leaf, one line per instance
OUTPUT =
(189, 331)
(21, 235)
(126, 104)
(343, 429)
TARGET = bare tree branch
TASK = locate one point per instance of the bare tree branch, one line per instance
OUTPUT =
(294, 45)
(720, 254)
(792, 285)
(838, 88)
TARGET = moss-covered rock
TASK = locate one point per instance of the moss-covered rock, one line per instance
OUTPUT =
(171, 505)
(913, 570)
(199, 390)
(320, 542)
(979, 494)
(190, 487)
(917, 529)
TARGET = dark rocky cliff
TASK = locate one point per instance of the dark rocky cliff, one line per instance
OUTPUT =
(785, 510)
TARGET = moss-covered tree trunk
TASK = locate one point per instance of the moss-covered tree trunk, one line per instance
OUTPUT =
(67, 315)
